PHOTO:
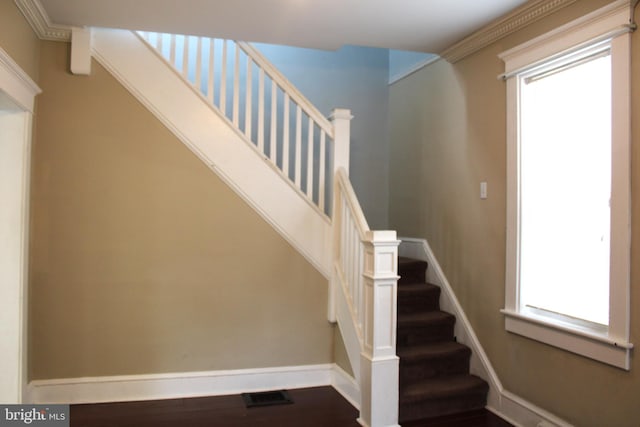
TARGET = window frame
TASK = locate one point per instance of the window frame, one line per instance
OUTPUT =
(610, 24)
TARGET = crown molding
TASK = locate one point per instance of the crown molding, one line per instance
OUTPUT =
(521, 17)
(40, 22)
(516, 20)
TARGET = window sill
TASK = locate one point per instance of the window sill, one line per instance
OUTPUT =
(597, 346)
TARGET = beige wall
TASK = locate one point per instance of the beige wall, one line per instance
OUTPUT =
(447, 135)
(142, 260)
(18, 39)
(340, 356)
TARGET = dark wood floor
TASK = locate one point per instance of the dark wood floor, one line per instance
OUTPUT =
(312, 407)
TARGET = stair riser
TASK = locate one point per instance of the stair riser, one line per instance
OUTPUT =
(439, 407)
(412, 276)
(412, 271)
(411, 373)
(417, 335)
(417, 303)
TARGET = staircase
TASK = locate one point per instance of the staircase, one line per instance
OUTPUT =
(259, 134)
(434, 368)
(236, 112)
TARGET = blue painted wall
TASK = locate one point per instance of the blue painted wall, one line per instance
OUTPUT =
(354, 78)
(401, 62)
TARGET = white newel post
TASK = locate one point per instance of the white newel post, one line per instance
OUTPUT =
(341, 120)
(379, 362)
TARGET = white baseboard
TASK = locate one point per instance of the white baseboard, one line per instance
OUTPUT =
(522, 413)
(346, 385)
(505, 404)
(187, 384)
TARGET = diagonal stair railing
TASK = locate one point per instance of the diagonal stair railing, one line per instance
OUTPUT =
(312, 154)
(263, 106)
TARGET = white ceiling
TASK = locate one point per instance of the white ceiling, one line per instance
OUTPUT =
(419, 25)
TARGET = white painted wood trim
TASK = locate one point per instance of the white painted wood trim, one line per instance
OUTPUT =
(344, 187)
(179, 385)
(346, 385)
(341, 121)
(525, 15)
(220, 111)
(601, 24)
(507, 405)
(346, 319)
(17, 95)
(522, 413)
(585, 343)
(16, 83)
(288, 87)
(380, 391)
(81, 51)
(621, 180)
(15, 156)
(609, 24)
(363, 299)
(223, 148)
(40, 22)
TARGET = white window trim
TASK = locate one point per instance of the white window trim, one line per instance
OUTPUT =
(612, 346)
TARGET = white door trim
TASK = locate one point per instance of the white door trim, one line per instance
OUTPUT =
(17, 94)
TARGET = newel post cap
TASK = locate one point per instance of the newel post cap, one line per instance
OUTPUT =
(340, 114)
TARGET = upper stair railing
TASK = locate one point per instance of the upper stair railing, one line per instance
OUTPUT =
(262, 105)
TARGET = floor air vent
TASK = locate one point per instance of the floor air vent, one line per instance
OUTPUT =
(267, 398)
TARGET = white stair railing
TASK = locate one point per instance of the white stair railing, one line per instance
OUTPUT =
(283, 126)
(364, 296)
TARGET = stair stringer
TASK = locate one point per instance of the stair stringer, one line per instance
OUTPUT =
(220, 146)
(346, 320)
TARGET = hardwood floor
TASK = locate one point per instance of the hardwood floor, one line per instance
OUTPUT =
(312, 407)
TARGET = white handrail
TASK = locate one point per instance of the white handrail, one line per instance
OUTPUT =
(350, 234)
(350, 198)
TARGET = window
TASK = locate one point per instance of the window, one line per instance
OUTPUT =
(568, 187)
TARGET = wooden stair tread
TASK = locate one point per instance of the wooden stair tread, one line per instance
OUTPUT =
(408, 288)
(425, 317)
